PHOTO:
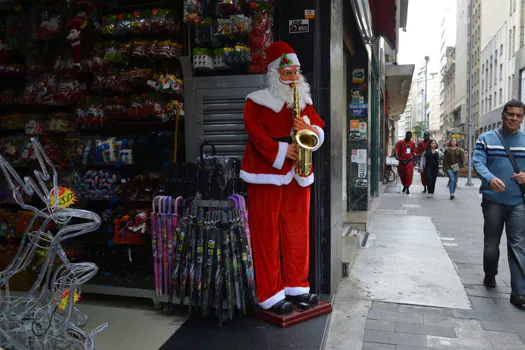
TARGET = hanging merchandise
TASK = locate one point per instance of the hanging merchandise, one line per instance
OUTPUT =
(192, 11)
(262, 24)
(212, 269)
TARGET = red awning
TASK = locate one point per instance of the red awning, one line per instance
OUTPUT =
(384, 19)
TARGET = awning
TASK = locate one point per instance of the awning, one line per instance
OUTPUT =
(384, 17)
(398, 82)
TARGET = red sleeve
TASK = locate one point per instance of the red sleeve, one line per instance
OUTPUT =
(413, 147)
(315, 119)
(272, 151)
(317, 123)
(398, 151)
(420, 148)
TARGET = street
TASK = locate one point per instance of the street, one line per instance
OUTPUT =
(405, 291)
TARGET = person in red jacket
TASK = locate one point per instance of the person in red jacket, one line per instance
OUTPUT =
(421, 148)
(278, 198)
(405, 151)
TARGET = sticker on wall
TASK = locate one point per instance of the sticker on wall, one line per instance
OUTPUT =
(353, 159)
(358, 76)
(361, 171)
(357, 105)
(358, 112)
(354, 130)
(309, 14)
(361, 183)
(356, 96)
(298, 26)
(361, 156)
(363, 130)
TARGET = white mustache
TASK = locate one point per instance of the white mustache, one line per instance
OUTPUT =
(288, 82)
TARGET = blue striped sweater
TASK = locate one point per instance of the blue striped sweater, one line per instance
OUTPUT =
(491, 160)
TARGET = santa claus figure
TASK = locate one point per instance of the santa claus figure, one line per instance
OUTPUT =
(279, 198)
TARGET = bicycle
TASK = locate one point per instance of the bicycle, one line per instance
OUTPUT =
(389, 174)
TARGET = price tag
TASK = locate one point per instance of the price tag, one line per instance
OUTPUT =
(66, 197)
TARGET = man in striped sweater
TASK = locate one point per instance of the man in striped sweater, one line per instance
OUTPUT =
(503, 202)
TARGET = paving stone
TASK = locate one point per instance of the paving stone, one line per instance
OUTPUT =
(426, 310)
(395, 316)
(447, 332)
(486, 294)
(380, 325)
(378, 346)
(506, 346)
(395, 338)
(484, 304)
(380, 305)
(498, 326)
(407, 347)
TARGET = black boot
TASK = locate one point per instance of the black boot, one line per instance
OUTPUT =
(309, 299)
(408, 190)
(404, 189)
(424, 189)
(282, 308)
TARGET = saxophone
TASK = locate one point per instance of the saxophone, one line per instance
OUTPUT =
(306, 140)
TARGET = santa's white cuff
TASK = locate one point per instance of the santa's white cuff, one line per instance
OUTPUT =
(281, 156)
(321, 137)
(271, 301)
(295, 291)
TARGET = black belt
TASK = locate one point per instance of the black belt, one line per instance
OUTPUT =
(287, 139)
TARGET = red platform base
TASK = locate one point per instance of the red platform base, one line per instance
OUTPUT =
(298, 316)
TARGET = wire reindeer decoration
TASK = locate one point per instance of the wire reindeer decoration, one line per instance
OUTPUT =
(35, 319)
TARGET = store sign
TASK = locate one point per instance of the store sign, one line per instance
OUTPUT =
(66, 197)
(298, 26)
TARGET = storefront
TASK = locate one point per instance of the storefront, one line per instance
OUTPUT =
(131, 93)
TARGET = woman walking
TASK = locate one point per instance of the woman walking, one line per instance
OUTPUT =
(430, 162)
(453, 161)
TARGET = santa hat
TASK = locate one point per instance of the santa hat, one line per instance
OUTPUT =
(280, 55)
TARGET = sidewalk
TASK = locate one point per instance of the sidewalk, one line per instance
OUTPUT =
(419, 282)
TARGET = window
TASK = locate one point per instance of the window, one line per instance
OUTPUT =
(490, 75)
(500, 96)
(501, 50)
(501, 71)
(482, 85)
(495, 72)
(513, 39)
(482, 106)
(510, 43)
(510, 7)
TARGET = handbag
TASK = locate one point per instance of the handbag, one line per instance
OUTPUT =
(454, 167)
(511, 158)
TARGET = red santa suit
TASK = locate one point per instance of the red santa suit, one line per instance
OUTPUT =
(405, 154)
(421, 147)
(278, 198)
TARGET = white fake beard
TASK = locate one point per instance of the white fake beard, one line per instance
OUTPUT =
(283, 90)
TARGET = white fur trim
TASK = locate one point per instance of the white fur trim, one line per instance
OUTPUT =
(281, 156)
(266, 99)
(304, 181)
(294, 291)
(267, 179)
(271, 301)
(307, 120)
(321, 137)
(291, 56)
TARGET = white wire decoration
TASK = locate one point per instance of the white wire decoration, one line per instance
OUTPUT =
(34, 319)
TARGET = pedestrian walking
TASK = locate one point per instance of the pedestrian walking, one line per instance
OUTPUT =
(453, 161)
(498, 158)
(405, 151)
(420, 150)
(430, 164)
